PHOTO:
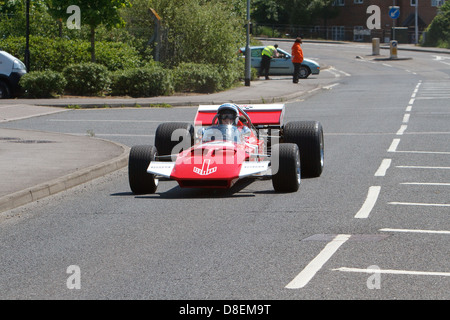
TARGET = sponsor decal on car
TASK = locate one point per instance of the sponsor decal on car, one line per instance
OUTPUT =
(205, 169)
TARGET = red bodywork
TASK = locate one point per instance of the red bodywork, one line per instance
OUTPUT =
(219, 164)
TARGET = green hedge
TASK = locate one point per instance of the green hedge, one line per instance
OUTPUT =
(196, 77)
(148, 81)
(206, 78)
(56, 54)
(88, 79)
(43, 84)
(119, 70)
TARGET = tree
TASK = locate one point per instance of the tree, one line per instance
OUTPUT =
(438, 32)
(201, 31)
(324, 9)
(93, 13)
(13, 18)
(267, 11)
(293, 12)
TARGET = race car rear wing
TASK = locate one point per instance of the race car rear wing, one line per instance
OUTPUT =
(259, 114)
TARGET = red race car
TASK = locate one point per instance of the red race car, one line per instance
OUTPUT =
(227, 143)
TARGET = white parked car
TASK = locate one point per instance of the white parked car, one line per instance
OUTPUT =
(11, 70)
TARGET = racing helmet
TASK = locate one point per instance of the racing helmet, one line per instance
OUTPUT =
(228, 111)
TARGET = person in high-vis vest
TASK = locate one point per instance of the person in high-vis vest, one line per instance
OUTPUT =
(268, 53)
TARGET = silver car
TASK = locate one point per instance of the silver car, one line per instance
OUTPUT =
(283, 64)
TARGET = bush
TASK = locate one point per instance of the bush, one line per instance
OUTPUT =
(196, 77)
(43, 84)
(234, 72)
(207, 78)
(148, 81)
(438, 32)
(87, 79)
(117, 56)
(56, 54)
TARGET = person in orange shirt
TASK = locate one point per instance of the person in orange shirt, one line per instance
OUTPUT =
(297, 58)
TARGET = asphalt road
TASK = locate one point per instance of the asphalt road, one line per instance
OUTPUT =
(375, 225)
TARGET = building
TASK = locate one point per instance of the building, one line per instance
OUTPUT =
(351, 22)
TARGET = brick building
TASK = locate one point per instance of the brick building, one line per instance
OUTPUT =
(351, 23)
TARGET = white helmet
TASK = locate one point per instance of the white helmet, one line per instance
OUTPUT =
(230, 111)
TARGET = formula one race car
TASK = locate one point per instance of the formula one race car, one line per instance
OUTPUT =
(216, 154)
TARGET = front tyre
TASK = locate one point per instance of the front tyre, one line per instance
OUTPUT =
(141, 182)
(304, 72)
(285, 167)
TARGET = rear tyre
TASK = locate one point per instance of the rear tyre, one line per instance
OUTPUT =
(308, 135)
(140, 181)
(173, 137)
(287, 170)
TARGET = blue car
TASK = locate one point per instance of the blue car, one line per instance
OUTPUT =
(283, 64)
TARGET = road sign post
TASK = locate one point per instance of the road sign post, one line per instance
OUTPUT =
(394, 13)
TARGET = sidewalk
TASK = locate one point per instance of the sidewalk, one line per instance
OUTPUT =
(35, 164)
(279, 89)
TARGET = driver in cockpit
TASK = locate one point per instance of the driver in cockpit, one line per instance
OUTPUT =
(227, 123)
(228, 114)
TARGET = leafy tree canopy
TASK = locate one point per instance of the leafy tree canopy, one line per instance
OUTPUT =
(438, 32)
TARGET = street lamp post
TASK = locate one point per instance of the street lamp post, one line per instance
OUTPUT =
(416, 24)
(247, 49)
(27, 44)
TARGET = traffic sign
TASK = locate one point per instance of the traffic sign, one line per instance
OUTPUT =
(394, 12)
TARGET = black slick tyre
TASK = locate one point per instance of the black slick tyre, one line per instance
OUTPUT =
(139, 159)
(173, 137)
(285, 165)
(308, 135)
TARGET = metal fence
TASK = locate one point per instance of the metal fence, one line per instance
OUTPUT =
(337, 33)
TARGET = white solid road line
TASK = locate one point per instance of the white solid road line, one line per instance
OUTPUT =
(426, 183)
(423, 167)
(423, 152)
(420, 204)
(415, 231)
(368, 205)
(316, 264)
(390, 271)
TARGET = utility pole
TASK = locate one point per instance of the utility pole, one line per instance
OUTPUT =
(27, 44)
(416, 24)
(393, 23)
(248, 54)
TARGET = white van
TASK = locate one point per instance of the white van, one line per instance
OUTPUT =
(11, 70)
